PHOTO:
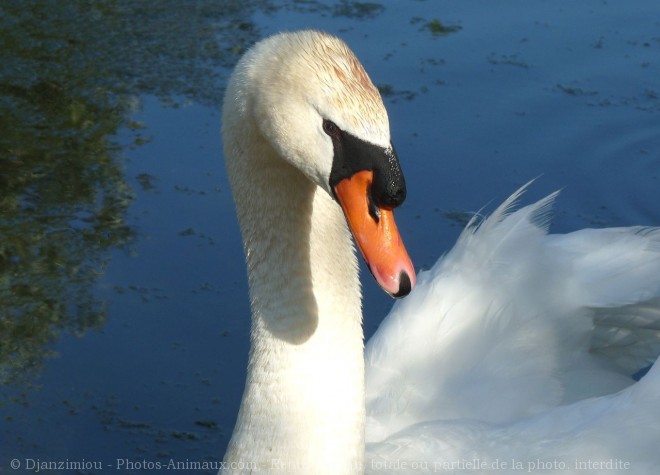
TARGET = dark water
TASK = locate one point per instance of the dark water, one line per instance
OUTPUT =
(124, 318)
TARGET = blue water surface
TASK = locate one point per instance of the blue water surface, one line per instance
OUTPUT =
(482, 97)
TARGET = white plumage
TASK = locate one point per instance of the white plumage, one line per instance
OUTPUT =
(502, 351)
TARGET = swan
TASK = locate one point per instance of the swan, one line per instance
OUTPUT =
(512, 353)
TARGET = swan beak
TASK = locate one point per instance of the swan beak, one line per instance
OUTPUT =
(377, 237)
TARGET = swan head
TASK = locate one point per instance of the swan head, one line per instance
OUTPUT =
(310, 98)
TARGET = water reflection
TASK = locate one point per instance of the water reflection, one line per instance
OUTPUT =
(70, 75)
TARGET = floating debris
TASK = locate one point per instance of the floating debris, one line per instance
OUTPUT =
(510, 60)
(437, 28)
(146, 181)
(576, 91)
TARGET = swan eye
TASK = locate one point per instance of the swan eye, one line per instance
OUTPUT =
(330, 128)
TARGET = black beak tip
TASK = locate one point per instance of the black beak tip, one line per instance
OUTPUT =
(405, 286)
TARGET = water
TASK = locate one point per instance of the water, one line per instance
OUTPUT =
(137, 314)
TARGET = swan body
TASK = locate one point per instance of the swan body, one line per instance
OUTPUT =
(515, 344)
(519, 346)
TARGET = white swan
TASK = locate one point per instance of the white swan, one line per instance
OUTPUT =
(504, 354)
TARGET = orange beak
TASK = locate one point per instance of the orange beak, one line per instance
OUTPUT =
(376, 235)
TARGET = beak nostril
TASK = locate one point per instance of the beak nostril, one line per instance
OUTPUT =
(374, 210)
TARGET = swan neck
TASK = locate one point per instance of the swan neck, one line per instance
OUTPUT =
(303, 406)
